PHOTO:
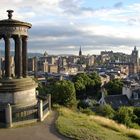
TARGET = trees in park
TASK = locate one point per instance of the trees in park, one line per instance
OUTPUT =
(87, 85)
(114, 87)
(82, 86)
(63, 93)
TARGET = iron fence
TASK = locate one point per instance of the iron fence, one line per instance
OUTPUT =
(2, 115)
(23, 114)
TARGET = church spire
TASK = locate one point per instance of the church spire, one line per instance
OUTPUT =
(135, 48)
(80, 51)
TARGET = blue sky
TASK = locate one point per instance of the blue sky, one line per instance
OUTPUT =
(62, 26)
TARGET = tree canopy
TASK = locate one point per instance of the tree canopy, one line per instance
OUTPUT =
(63, 93)
(114, 87)
(87, 85)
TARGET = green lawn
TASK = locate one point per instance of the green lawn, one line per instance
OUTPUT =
(82, 127)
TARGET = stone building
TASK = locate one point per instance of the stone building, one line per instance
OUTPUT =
(53, 69)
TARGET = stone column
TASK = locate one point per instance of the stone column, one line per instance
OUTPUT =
(7, 56)
(8, 116)
(16, 56)
(40, 110)
(24, 57)
(49, 102)
(0, 62)
(19, 56)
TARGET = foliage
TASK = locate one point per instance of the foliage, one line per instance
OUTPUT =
(114, 87)
(87, 85)
(82, 127)
(63, 93)
(42, 90)
(106, 111)
(137, 113)
(86, 103)
(82, 104)
(125, 115)
(87, 111)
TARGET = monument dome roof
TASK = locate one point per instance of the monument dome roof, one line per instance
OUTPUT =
(13, 22)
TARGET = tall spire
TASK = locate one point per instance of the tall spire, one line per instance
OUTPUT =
(80, 51)
(135, 48)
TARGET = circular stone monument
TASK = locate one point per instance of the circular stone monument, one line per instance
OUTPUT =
(20, 90)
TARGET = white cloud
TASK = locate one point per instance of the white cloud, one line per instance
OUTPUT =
(66, 25)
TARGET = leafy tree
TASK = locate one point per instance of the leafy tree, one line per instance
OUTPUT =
(63, 93)
(125, 115)
(107, 111)
(114, 87)
(80, 82)
(94, 85)
(137, 113)
(87, 85)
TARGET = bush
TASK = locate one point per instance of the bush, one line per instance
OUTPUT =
(125, 115)
(82, 104)
(106, 111)
(63, 93)
(137, 113)
(87, 111)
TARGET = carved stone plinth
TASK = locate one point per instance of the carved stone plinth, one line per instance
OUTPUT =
(18, 92)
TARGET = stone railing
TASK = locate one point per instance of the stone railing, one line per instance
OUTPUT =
(10, 116)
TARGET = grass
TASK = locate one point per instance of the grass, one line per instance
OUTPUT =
(82, 127)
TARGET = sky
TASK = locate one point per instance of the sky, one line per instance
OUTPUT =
(62, 26)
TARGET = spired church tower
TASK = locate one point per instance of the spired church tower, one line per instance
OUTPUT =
(80, 51)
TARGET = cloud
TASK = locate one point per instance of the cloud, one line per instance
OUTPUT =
(68, 38)
(118, 4)
(71, 6)
(62, 26)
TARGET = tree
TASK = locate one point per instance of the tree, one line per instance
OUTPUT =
(95, 84)
(80, 82)
(114, 87)
(63, 93)
(125, 115)
(107, 111)
(87, 85)
(137, 113)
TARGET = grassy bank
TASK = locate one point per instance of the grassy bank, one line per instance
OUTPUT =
(82, 127)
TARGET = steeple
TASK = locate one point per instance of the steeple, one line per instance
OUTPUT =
(80, 51)
(135, 48)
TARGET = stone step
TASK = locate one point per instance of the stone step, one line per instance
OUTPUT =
(11, 85)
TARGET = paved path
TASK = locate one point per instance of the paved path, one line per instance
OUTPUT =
(40, 131)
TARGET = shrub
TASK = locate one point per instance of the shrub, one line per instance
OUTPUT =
(82, 104)
(87, 111)
(63, 93)
(106, 110)
(125, 115)
(137, 113)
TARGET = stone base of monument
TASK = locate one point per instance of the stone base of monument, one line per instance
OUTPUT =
(18, 92)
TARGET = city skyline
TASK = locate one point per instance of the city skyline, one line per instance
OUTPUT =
(61, 27)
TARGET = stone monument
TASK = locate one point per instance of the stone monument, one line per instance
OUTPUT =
(18, 90)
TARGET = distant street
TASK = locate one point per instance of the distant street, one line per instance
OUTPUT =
(38, 131)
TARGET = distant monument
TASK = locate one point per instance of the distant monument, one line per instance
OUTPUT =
(18, 90)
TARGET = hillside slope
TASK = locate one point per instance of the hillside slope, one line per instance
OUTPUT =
(82, 127)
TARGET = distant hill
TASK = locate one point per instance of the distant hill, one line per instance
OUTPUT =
(30, 54)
